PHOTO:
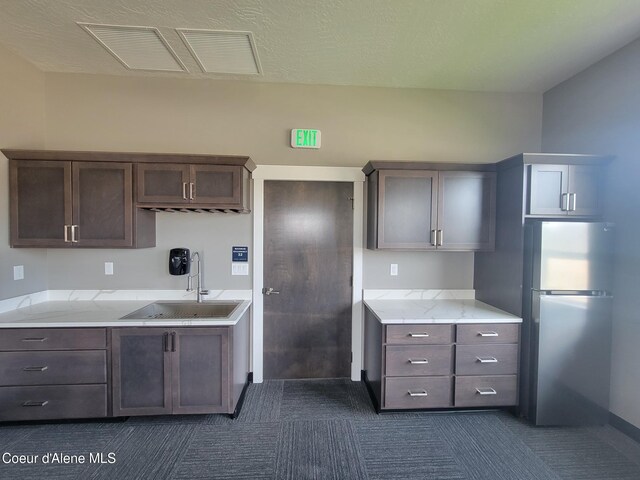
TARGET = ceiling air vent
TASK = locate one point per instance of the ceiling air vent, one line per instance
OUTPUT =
(220, 51)
(137, 48)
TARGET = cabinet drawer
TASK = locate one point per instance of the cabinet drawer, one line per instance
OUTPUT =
(482, 333)
(413, 360)
(486, 391)
(53, 368)
(16, 339)
(418, 392)
(53, 402)
(420, 334)
(486, 359)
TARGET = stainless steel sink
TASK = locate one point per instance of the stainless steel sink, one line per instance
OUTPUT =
(184, 310)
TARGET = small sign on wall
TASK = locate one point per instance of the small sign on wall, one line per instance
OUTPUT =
(305, 138)
(239, 260)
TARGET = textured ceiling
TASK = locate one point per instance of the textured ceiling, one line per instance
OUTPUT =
(492, 45)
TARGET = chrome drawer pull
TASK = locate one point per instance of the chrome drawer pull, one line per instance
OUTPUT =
(487, 359)
(40, 339)
(418, 335)
(29, 403)
(486, 391)
(35, 369)
(419, 361)
(488, 334)
(423, 393)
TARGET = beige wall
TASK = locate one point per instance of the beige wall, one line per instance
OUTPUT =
(358, 124)
(21, 126)
(598, 111)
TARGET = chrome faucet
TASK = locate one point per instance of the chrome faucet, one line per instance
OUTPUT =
(199, 290)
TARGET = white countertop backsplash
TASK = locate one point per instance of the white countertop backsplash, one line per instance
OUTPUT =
(104, 308)
(432, 306)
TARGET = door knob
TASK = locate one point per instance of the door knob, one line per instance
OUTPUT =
(270, 291)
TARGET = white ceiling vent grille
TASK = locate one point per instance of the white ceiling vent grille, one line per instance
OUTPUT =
(137, 48)
(220, 51)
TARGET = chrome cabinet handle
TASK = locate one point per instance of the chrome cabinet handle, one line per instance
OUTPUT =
(486, 391)
(572, 202)
(487, 359)
(488, 334)
(184, 191)
(439, 238)
(35, 369)
(66, 233)
(74, 233)
(270, 291)
(34, 339)
(418, 361)
(564, 202)
(433, 238)
(192, 191)
(422, 393)
(418, 335)
(30, 403)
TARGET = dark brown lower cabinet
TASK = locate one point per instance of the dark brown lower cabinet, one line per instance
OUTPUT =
(187, 370)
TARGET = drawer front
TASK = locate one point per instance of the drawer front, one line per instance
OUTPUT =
(53, 402)
(420, 334)
(414, 360)
(486, 391)
(486, 359)
(484, 333)
(418, 392)
(53, 368)
(16, 339)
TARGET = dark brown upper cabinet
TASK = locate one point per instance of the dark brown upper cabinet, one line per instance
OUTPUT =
(422, 206)
(565, 190)
(223, 187)
(75, 204)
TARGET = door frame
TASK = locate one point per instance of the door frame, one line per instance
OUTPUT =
(308, 174)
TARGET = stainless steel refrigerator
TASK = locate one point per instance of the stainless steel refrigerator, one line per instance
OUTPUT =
(566, 336)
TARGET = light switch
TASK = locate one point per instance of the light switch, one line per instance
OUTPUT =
(108, 268)
(394, 269)
(238, 268)
(18, 272)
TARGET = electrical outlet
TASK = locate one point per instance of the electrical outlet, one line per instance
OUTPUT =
(18, 272)
(108, 268)
(394, 269)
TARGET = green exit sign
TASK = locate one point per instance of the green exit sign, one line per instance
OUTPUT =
(305, 138)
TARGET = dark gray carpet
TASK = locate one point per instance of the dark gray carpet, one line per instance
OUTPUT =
(324, 429)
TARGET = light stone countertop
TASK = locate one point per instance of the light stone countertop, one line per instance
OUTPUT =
(103, 313)
(442, 307)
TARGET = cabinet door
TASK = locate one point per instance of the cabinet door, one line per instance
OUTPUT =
(141, 372)
(548, 188)
(162, 183)
(200, 370)
(585, 190)
(407, 209)
(216, 184)
(102, 204)
(40, 197)
(466, 210)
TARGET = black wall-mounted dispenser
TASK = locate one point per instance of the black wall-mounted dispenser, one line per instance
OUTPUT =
(179, 261)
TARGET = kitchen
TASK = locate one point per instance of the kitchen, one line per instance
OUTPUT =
(57, 109)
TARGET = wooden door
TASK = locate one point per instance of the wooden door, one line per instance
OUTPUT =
(200, 370)
(407, 209)
(102, 201)
(141, 373)
(548, 189)
(162, 183)
(585, 184)
(308, 246)
(466, 210)
(41, 203)
(220, 185)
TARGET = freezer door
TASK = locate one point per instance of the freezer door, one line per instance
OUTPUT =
(572, 343)
(572, 256)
